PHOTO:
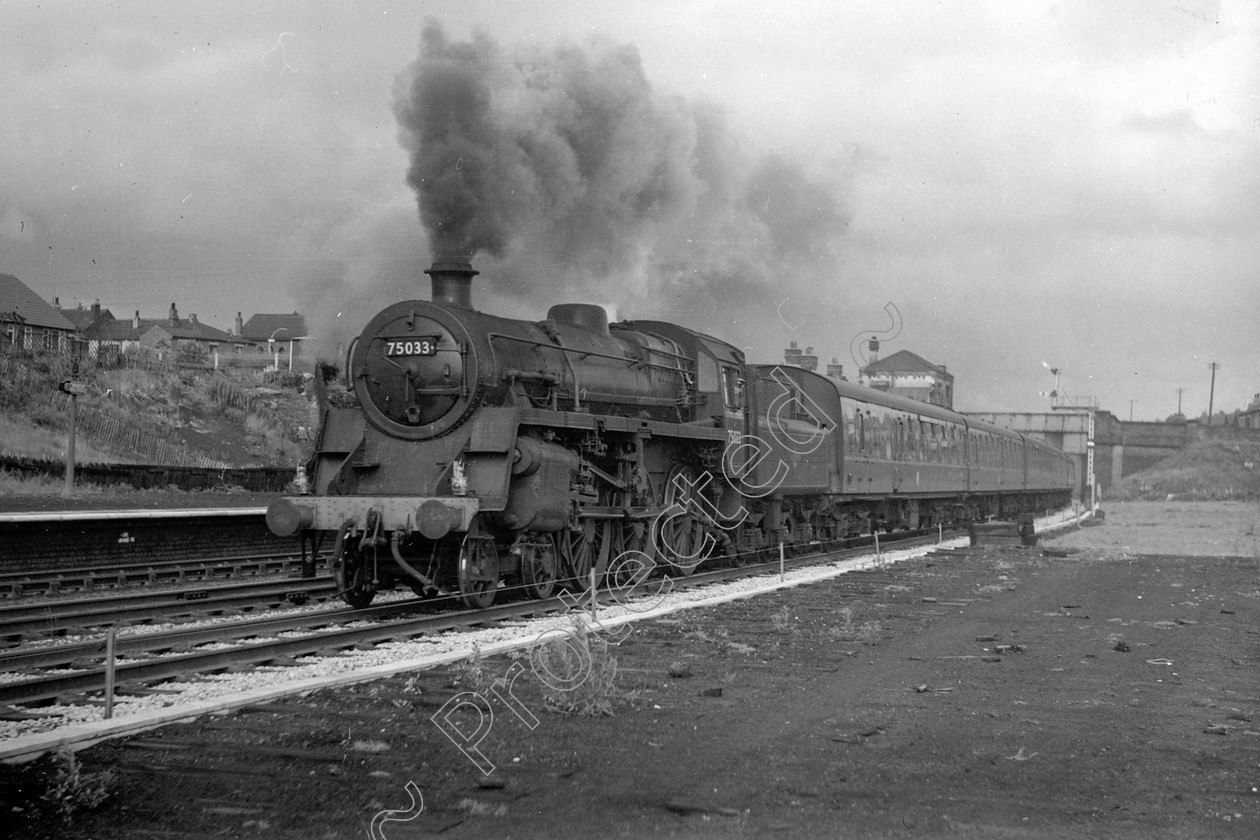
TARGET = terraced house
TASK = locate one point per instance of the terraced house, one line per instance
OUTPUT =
(28, 323)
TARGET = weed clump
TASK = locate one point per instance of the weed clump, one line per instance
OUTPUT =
(868, 632)
(578, 673)
(472, 673)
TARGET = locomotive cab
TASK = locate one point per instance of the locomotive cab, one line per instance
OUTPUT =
(719, 376)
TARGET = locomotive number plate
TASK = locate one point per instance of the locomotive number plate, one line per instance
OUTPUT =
(412, 347)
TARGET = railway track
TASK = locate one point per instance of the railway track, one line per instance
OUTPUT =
(58, 617)
(53, 581)
(390, 622)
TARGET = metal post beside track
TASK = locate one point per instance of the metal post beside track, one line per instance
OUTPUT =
(593, 619)
(110, 641)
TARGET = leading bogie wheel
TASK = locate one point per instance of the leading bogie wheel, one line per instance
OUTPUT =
(478, 571)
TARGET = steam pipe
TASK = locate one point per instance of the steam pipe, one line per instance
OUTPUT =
(398, 558)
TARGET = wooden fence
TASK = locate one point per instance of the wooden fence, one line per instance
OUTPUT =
(128, 437)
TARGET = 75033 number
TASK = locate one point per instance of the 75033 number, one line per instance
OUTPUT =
(411, 347)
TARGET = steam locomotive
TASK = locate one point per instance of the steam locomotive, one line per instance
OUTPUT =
(488, 451)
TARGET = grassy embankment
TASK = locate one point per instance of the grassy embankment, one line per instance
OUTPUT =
(133, 415)
(1206, 470)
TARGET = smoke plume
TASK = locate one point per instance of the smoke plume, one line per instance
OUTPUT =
(564, 171)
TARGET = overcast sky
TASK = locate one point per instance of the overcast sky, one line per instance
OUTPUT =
(1074, 183)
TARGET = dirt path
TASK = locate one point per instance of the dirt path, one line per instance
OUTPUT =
(996, 693)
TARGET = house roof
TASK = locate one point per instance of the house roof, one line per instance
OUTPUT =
(119, 330)
(16, 297)
(284, 327)
(903, 361)
(84, 318)
(126, 330)
(189, 330)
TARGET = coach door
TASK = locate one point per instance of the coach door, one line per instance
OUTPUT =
(899, 452)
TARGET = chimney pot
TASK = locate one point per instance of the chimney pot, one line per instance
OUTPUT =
(451, 276)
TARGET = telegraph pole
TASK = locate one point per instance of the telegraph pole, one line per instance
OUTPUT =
(1131, 402)
(1212, 393)
(1179, 390)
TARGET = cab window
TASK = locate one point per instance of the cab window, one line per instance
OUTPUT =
(707, 373)
(733, 387)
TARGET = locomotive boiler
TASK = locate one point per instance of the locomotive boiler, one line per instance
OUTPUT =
(487, 452)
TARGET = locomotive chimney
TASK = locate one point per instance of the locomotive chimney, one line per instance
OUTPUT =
(452, 280)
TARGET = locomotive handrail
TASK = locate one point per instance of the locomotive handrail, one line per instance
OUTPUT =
(551, 346)
(460, 391)
(566, 351)
(491, 336)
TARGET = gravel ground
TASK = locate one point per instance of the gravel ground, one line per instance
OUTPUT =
(1187, 529)
(1111, 692)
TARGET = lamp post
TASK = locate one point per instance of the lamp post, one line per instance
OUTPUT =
(1054, 395)
(1212, 393)
(75, 389)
